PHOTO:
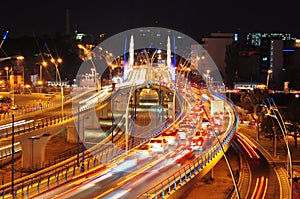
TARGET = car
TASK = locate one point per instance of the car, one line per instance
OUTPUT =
(181, 133)
(14, 107)
(201, 133)
(171, 136)
(158, 144)
(205, 124)
(198, 139)
(143, 151)
(184, 154)
(26, 92)
(197, 143)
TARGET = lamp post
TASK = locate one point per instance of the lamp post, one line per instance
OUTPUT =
(13, 156)
(6, 69)
(127, 119)
(88, 54)
(7, 81)
(268, 78)
(152, 57)
(40, 85)
(59, 60)
(83, 143)
(61, 90)
(227, 162)
(56, 62)
(43, 64)
(273, 108)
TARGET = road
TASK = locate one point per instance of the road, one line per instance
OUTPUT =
(138, 172)
(132, 173)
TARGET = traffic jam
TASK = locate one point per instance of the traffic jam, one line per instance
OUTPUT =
(193, 133)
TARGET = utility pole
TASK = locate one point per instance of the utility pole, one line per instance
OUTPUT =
(13, 157)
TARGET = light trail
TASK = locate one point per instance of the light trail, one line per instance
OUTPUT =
(260, 189)
(18, 123)
(248, 143)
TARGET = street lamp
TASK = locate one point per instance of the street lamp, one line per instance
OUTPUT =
(61, 89)
(83, 144)
(40, 84)
(6, 69)
(281, 124)
(127, 118)
(268, 78)
(88, 54)
(41, 69)
(59, 60)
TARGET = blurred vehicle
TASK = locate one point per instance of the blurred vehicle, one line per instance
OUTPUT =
(181, 133)
(158, 144)
(205, 124)
(198, 139)
(15, 92)
(26, 92)
(184, 154)
(197, 143)
(14, 107)
(143, 151)
(200, 133)
(171, 136)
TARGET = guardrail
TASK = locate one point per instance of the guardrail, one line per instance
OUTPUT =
(188, 172)
(31, 109)
(22, 126)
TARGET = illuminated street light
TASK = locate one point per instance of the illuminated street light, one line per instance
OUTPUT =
(88, 54)
(61, 88)
(6, 68)
(56, 62)
(268, 78)
(57, 71)
(282, 127)
(43, 64)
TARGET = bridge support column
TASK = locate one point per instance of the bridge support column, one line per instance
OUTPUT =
(92, 121)
(103, 113)
(33, 152)
(72, 134)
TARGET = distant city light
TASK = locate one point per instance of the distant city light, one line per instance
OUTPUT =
(236, 37)
(288, 50)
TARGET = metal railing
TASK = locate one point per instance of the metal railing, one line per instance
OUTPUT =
(188, 172)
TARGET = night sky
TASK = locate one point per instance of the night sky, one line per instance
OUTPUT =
(192, 17)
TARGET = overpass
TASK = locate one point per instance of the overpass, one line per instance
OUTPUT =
(141, 78)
